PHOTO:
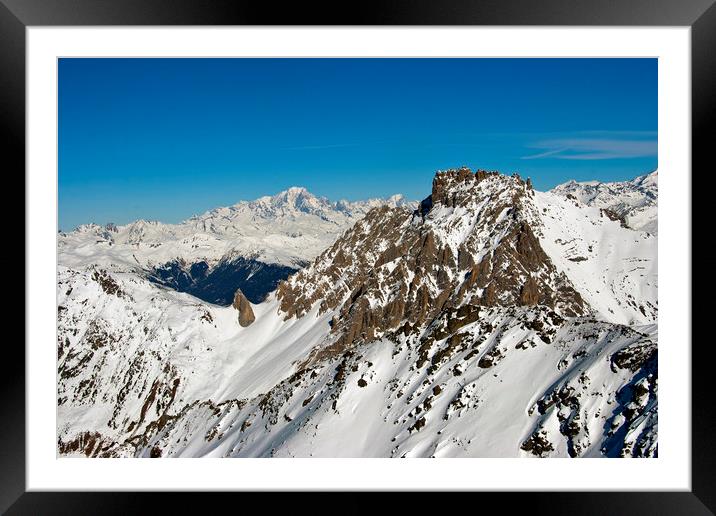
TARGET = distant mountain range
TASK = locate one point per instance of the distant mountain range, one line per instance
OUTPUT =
(489, 319)
(633, 201)
(250, 245)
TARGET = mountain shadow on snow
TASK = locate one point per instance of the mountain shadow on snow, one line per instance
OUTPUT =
(218, 284)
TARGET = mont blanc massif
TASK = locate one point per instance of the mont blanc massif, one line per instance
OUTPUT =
(487, 320)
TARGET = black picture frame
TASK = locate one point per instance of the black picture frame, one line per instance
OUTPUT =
(16, 15)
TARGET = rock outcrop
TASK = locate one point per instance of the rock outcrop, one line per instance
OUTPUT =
(246, 313)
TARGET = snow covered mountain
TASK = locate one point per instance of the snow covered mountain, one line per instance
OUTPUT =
(493, 320)
(251, 245)
(288, 228)
(633, 202)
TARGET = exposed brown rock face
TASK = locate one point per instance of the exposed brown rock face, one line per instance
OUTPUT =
(446, 185)
(91, 444)
(246, 313)
(395, 271)
(530, 292)
(612, 215)
(108, 284)
(340, 270)
(518, 272)
(443, 182)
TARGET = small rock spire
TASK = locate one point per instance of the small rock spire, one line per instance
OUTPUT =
(246, 313)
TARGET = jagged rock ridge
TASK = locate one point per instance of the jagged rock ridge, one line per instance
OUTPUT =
(396, 270)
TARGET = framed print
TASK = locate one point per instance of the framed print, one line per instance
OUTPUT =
(276, 251)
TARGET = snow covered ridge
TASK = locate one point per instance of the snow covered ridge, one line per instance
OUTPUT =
(492, 320)
(635, 201)
(287, 229)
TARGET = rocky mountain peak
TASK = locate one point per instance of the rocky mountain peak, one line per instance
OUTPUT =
(474, 246)
(455, 187)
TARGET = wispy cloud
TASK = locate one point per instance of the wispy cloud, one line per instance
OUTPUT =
(591, 148)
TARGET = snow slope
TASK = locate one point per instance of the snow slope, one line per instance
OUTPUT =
(613, 268)
(464, 328)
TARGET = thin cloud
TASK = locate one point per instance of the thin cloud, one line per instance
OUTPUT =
(593, 148)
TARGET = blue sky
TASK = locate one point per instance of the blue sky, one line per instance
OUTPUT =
(164, 139)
